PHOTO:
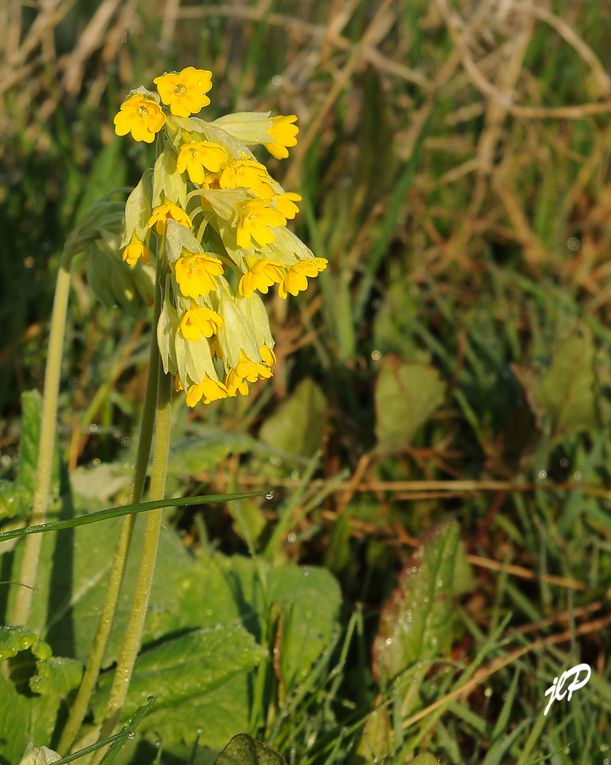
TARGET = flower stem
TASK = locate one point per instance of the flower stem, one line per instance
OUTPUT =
(32, 546)
(144, 581)
(100, 641)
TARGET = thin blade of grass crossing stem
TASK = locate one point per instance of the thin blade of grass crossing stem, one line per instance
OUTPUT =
(117, 512)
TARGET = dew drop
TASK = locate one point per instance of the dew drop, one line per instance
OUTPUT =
(291, 538)
(542, 475)
(488, 692)
(388, 641)
(434, 641)
(150, 698)
(131, 735)
(573, 244)
(577, 475)
(269, 495)
(439, 584)
(306, 572)
(376, 355)
(564, 463)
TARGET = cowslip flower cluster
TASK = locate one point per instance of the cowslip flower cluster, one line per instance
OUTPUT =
(219, 224)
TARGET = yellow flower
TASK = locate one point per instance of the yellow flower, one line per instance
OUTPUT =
(250, 370)
(135, 251)
(286, 204)
(267, 355)
(168, 210)
(197, 156)
(196, 274)
(248, 174)
(284, 133)
(255, 219)
(295, 280)
(199, 322)
(209, 390)
(140, 116)
(261, 274)
(235, 384)
(185, 91)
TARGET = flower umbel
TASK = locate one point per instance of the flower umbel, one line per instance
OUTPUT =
(185, 91)
(141, 116)
(231, 244)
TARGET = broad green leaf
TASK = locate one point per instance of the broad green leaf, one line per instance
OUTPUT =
(425, 759)
(73, 571)
(244, 750)
(298, 425)
(15, 499)
(14, 639)
(406, 395)
(13, 723)
(196, 454)
(56, 676)
(564, 396)
(31, 404)
(416, 621)
(310, 599)
(190, 676)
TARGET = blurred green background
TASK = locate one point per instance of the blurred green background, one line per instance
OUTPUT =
(452, 362)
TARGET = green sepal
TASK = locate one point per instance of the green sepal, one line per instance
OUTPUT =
(115, 283)
(193, 359)
(166, 332)
(287, 248)
(236, 334)
(248, 127)
(255, 313)
(138, 209)
(168, 183)
(177, 239)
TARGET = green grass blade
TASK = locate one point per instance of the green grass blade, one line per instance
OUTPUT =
(117, 512)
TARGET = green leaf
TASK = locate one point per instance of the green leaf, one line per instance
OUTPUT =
(190, 676)
(425, 759)
(564, 395)
(298, 425)
(310, 599)
(194, 455)
(56, 676)
(15, 639)
(31, 404)
(15, 499)
(244, 750)
(416, 621)
(406, 395)
(13, 723)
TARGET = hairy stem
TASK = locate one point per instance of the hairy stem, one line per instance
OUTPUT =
(100, 641)
(32, 545)
(144, 581)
